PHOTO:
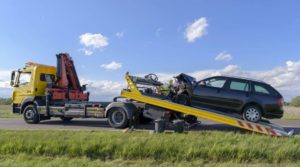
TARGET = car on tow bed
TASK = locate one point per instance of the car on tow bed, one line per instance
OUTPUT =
(252, 99)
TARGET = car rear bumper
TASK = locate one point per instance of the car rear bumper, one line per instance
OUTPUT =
(270, 115)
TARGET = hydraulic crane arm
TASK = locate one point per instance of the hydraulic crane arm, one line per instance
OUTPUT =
(67, 85)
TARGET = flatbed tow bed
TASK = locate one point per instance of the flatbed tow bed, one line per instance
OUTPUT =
(261, 127)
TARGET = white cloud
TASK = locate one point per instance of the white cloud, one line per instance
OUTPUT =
(5, 79)
(5, 89)
(92, 41)
(87, 52)
(223, 56)
(196, 30)
(120, 34)
(112, 66)
(103, 89)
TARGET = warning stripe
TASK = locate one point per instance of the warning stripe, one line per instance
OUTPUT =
(262, 129)
(259, 128)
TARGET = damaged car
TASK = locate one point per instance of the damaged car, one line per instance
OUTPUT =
(251, 99)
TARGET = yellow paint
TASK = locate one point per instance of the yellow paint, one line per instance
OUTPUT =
(35, 87)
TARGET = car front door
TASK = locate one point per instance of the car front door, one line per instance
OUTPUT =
(207, 93)
(235, 94)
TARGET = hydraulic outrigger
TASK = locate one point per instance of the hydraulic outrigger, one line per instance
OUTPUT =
(262, 127)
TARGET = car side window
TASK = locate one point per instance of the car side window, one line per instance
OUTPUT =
(261, 89)
(215, 82)
(24, 78)
(239, 86)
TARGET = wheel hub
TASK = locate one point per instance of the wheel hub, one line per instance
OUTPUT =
(118, 117)
(252, 114)
(29, 114)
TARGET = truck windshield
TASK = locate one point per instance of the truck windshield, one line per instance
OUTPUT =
(24, 78)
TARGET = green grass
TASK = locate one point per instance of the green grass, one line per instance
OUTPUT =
(46, 161)
(6, 112)
(144, 149)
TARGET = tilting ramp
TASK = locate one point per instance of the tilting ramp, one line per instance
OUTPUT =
(261, 127)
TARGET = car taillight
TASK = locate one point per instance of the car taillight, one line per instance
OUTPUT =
(280, 102)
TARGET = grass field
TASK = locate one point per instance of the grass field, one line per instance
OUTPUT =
(5, 112)
(290, 112)
(94, 148)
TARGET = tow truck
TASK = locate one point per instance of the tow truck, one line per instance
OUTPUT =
(41, 92)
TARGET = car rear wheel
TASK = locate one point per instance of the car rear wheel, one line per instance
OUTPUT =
(252, 113)
(31, 115)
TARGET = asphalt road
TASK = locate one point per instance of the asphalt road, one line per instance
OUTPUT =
(102, 124)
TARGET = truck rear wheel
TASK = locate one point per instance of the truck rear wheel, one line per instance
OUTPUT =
(31, 115)
(117, 118)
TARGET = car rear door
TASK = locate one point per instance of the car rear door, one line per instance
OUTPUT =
(235, 94)
(207, 93)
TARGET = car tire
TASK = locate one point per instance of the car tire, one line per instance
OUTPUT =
(117, 118)
(31, 115)
(66, 119)
(252, 113)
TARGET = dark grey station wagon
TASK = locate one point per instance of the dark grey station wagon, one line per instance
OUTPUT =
(251, 99)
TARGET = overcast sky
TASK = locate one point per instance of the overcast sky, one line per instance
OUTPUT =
(257, 39)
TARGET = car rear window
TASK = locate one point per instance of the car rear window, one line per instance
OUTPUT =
(264, 89)
(239, 86)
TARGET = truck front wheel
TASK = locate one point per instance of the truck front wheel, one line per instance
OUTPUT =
(117, 118)
(31, 115)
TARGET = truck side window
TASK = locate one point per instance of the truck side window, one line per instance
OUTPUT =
(24, 78)
(47, 78)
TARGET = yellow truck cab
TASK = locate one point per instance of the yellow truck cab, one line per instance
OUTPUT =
(29, 85)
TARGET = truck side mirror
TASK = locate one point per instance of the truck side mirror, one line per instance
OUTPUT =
(12, 79)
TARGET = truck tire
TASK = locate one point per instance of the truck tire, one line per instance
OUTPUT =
(31, 115)
(117, 118)
(66, 119)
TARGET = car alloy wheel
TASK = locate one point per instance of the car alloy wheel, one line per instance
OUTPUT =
(252, 114)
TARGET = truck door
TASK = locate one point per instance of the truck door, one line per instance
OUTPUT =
(22, 87)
